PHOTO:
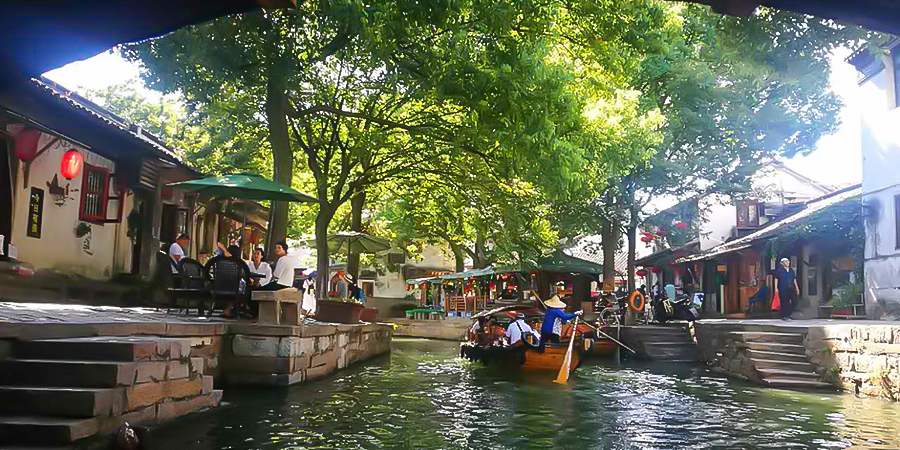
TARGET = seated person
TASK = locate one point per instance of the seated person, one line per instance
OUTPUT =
(258, 265)
(283, 274)
(518, 330)
(472, 335)
(493, 333)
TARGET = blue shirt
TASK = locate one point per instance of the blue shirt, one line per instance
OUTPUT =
(785, 280)
(551, 316)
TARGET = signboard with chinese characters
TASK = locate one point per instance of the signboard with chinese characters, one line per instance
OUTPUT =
(35, 213)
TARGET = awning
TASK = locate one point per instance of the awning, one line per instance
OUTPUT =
(418, 281)
(469, 274)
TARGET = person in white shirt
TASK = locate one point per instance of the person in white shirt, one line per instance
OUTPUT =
(283, 275)
(258, 265)
(518, 329)
(176, 250)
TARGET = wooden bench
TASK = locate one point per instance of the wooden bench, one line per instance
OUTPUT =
(278, 307)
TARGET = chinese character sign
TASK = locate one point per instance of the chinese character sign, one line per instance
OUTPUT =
(35, 213)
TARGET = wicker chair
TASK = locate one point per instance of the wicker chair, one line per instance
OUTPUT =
(225, 277)
(193, 283)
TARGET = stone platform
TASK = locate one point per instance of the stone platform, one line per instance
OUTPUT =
(70, 372)
(857, 356)
(452, 329)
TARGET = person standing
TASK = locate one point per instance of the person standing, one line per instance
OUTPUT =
(176, 250)
(551, 328)
(786, 288)
(283, 275)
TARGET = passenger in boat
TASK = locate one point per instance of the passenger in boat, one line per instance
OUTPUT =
(493, 332)
(551, 328)
(475, 331)
(518, 330)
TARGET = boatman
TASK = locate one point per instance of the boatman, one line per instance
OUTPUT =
(551, 328)
(518, 329)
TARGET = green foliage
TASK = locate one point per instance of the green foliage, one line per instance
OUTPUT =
(848, 295)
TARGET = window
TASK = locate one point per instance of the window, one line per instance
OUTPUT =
(94, 186)
(747, 214)
(100, 189)
(897, 221)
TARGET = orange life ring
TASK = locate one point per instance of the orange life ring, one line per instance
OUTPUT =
(633, 301)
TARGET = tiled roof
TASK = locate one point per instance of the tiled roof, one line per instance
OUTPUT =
(812, 206)
(83, 105)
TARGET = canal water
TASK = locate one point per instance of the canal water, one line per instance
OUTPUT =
(423, 396)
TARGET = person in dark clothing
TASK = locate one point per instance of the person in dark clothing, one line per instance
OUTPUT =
(786, 288)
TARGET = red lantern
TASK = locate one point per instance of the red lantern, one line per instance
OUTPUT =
(642, 273)
(26, 144)
(71, 164)
(680, 225)
(646, 238)
(656, 269)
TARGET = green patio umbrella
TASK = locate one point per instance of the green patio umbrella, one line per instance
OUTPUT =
(243, 185)
(248, 186)
(355, 242)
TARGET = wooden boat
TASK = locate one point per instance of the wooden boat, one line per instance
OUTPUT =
(594, 345)
(525, 358)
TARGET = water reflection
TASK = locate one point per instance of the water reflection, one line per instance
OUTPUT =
(424, 397)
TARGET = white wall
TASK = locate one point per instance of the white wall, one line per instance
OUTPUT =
(881, 182)
(59, 248)
(720, 218)
(393, 284)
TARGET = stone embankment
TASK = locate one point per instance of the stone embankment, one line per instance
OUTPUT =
(451, 329)
(862, 358)
(70, 374)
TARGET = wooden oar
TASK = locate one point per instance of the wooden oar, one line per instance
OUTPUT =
(611, 338)
(564, 370)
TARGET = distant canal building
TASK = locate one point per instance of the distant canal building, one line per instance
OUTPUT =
(879, 81)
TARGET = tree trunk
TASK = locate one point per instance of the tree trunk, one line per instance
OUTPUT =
(323, 261)
(356, 207)
(610, 242)
(282, 156)
(632, 250)
(480, 259)
(459, 257)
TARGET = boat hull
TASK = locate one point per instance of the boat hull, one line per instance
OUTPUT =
(525, 359)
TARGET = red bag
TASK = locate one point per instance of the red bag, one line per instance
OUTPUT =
(776, 302)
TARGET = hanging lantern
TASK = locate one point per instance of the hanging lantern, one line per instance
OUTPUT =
(680, 225)
(642, 272)
(26, 144)
(656, 269)
(71, 164)
(661, 232)
(646, 238)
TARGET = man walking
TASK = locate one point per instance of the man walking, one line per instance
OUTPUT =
(786, 288)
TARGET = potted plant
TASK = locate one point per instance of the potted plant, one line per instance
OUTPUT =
(845, 297)
(339, 310)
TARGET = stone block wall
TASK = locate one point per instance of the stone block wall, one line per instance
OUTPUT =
(722, 352)
(283, 356)
(860, 358)
(453, 329)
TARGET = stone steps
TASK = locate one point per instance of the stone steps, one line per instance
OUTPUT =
(794, 357)
(780, 359)
(787, 365)
(770, 337)
(57, 373)
(36, 430)
(56, 392)
(786, 373)
(126, 349)
(796, 383)
(796, 349)
(59, 402)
